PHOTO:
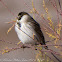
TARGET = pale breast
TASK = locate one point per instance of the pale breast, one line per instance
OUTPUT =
(25, 34)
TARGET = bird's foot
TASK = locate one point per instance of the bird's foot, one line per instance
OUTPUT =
(23, 46)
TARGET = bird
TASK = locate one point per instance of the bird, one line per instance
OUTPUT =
(25, 27)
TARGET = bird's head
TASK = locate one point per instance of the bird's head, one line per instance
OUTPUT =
(23, 17)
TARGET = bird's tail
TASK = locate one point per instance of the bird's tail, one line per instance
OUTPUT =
(46, 47)
(56, 57)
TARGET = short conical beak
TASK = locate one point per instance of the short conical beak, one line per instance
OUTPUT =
(19, 17)
(18, 20)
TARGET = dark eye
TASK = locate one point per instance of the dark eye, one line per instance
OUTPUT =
(19, 17)
(19, 24)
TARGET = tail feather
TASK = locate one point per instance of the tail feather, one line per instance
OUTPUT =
(56, 57)
(46, 47)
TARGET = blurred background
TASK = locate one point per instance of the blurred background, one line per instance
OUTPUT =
(9, 10)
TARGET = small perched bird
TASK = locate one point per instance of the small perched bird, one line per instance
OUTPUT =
(27, 28)
(29, 31)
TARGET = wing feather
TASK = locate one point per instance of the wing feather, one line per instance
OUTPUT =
(37, 29)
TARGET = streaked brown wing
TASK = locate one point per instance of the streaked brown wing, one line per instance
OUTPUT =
(37, 28)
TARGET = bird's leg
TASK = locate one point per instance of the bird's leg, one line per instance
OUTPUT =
(23, 46)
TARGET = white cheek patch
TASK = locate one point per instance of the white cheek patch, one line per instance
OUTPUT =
(24, 18)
